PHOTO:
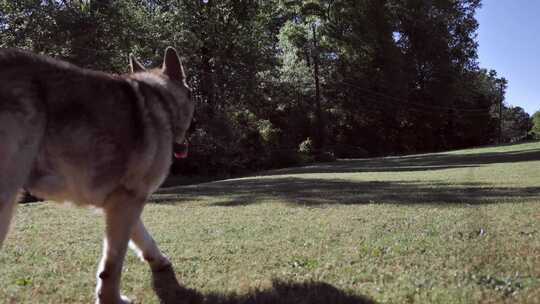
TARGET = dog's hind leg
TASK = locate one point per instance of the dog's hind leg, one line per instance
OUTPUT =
(122, 211)
(146, 248)
(19, 143)
(13, 173)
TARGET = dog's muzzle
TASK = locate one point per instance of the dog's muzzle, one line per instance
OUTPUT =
(181, 150)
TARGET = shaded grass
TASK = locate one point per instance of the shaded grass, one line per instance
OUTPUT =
(458, 227)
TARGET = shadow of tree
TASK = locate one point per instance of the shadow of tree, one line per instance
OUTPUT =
(422, 162)
(410, 163)
(314, 192)
(307, 190)
(170, 291)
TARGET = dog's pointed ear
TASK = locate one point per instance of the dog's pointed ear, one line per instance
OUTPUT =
(172, 65)
(135, 65)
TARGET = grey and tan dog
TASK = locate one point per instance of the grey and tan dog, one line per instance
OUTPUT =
(95, 139)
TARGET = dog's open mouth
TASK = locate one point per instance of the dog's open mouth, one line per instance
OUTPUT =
(181, 150)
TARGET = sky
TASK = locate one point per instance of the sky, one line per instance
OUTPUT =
(509, 38)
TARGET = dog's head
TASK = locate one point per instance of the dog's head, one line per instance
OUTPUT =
(172, 79)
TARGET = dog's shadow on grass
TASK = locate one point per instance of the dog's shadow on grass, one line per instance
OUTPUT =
(170, 291)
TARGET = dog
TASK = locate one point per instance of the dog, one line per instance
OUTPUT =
(94, 139)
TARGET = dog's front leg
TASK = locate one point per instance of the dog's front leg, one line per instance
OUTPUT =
(122, 211)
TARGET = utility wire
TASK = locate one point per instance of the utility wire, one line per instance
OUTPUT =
(408, 102)
(382, 105)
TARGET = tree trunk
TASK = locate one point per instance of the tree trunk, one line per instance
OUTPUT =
(320, 142)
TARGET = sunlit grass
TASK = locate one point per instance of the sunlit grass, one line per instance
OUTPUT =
(458, 227)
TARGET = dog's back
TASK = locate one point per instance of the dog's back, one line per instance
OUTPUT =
(82, 126)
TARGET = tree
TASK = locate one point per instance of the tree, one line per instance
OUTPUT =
(93, 34)
(516, 124)
(536, 125)
(359, 77)
(301, 39)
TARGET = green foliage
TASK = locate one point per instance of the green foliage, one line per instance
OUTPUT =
(306, 146)
(306, 151)
(536, 125)
(269, 134)
(516, 124)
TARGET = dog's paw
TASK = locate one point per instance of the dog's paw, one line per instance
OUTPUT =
(125, 300)
(121, 300)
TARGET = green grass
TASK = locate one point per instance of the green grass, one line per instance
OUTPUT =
(457, 227)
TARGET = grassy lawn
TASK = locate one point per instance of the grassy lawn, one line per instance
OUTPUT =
(457, 227)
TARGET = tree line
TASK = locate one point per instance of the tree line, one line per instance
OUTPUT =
(281, 82)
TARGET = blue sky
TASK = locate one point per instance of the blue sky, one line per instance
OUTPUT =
(509, 38)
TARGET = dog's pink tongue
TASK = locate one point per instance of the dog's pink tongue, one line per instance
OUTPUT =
(181, 150)
(181, 155)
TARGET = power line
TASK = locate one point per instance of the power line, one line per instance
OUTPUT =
(408, 102)
(384, 106)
